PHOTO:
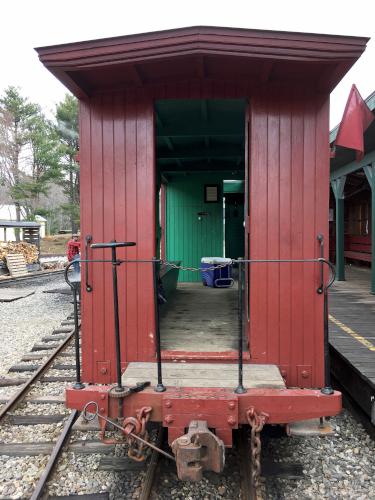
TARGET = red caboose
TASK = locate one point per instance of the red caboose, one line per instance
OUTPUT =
(205, 142)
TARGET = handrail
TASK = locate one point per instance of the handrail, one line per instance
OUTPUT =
(322, 289)
(74, 285)
(242, 265)
(88, 240)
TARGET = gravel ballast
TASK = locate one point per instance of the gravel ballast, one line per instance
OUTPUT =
(334, 467)
(25, 321)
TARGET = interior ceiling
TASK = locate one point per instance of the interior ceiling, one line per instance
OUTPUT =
(196, 135)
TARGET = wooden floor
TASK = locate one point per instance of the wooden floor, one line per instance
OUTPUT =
(199, 318)
(223, 375)
(352, 320)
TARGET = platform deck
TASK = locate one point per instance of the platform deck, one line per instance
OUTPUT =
(222, 375)
(352, 334)
(198, 318)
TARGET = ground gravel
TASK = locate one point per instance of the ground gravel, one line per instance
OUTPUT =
(25, 321)
(335, 467)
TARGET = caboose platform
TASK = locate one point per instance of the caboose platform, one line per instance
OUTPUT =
(222, 375)
(199, 318)
(352, 336)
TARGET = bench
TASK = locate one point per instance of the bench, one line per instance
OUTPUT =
(358, 248)
(169, 278)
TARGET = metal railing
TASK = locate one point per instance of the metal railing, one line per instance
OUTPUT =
(243, 267)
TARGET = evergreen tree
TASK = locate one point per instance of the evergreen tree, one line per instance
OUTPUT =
(67, 131)
(16, 114)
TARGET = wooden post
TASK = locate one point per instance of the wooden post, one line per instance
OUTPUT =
(338, 186)
(370, 174)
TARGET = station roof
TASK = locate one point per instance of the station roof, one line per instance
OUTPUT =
(202, 52)
(23, 224)
(346, 156)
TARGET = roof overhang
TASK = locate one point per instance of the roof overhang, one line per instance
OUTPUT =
(256, 56)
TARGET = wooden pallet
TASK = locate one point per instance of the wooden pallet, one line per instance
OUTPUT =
(16, 264)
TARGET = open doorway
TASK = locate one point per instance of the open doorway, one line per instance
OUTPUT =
(200, 158)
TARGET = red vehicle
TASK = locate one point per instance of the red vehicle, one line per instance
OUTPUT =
(197, 142)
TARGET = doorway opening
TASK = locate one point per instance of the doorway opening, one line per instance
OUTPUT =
(200, 159)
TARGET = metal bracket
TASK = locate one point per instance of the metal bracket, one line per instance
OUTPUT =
(198, 450)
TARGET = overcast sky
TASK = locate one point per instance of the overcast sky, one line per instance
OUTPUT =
(26, 24)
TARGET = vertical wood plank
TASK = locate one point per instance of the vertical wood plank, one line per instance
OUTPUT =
(297, 233)
(108, 226)
(258, 227)
(97, 208)
(321, 220)
(273, 227)
(86, 228)
(286, 270)
(119, 188)
(309, 236)
(131, 197)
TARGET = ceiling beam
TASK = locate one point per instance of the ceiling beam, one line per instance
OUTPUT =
(192, 153)
(202, 130)
(224, 167)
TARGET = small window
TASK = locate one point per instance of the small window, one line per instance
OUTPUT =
(211, 193)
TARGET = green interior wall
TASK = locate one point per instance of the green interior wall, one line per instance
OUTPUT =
(190, 236)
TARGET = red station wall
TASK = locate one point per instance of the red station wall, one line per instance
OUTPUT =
(289, 172)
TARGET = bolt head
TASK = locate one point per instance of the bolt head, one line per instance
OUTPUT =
(101, 410)
(231, 405)
(102, 396)
(168, 419)
(103, 370)
(305, 374)
(168, 404)
(231, 421)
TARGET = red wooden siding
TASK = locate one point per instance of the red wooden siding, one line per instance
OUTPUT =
(288, 208)
(117, 165)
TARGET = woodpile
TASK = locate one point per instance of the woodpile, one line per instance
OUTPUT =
(30, 252)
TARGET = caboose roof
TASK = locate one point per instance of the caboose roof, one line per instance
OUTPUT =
(201, 52)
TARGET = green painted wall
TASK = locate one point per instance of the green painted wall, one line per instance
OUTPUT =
(189, 237)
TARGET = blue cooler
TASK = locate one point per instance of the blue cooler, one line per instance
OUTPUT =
(217, 278)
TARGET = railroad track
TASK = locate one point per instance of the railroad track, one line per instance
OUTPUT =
(8, 281)
(43, 359)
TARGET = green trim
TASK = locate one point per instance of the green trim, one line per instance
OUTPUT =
(338, 186)
(370, 174)
(353, 166)
(340, 259)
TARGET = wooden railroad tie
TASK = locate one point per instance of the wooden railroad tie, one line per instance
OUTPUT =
(16, 264)
(44, 448)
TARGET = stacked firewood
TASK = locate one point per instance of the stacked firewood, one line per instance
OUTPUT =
(30, 252)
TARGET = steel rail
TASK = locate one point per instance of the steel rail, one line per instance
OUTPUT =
(18, 397)
(41, 484)
(7, 281)
(151, 470)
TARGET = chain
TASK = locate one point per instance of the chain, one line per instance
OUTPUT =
(132, 428)
(137, 448)
(256, 422)
(183, 268)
